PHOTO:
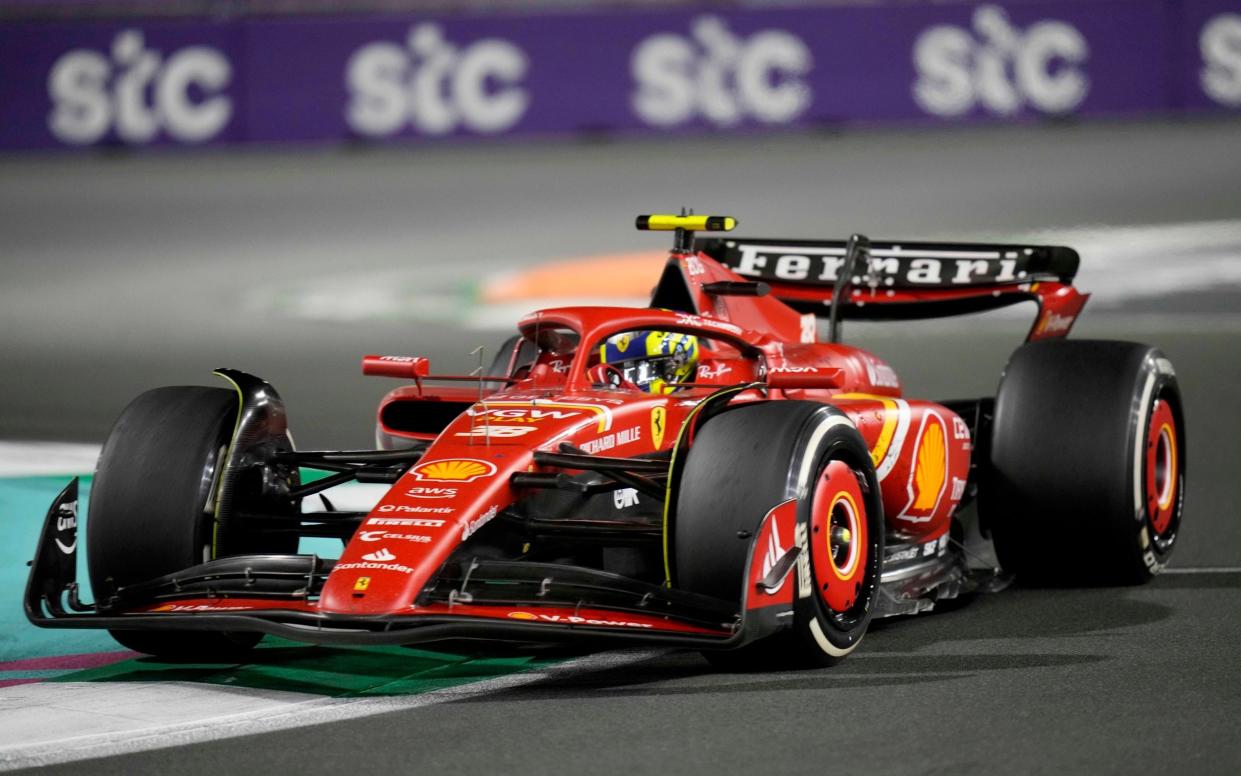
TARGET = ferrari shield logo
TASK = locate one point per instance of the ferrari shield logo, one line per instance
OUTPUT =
(659, 416)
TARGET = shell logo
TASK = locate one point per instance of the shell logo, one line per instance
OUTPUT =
(928, 474)
(522, 616)
(454, 470)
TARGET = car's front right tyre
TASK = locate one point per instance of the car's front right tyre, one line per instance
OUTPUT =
(152, 507)
(748, 460)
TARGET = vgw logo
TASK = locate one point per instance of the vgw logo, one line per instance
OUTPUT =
(138, 91)
(434, 86)
(1220, 43)
(718, 76)
(1000, 67)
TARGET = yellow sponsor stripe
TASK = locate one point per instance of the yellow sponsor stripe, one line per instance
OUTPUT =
(884, 441)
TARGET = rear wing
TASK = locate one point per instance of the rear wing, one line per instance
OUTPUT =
(903, 280)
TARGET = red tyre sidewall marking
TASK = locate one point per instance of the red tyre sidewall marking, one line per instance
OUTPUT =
(838, 489)
(1162, 467)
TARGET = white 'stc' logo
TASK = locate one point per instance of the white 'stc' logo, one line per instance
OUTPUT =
(715, 75)
(1220, 44)
(1002, 69)
(434, 86)
(138, 92)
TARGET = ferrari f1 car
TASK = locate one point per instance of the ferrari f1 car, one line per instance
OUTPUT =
(715, 471)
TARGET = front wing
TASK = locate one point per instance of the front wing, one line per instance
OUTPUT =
(499, 601)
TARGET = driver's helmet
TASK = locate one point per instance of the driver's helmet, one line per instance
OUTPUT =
(652, 360)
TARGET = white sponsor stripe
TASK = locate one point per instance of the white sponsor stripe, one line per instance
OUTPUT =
(44, 459)
(125, 717)
(903, 419)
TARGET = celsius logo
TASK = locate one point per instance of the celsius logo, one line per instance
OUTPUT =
(1002, 69)
(715, 75)
(138, 91)
(434, 86)
(1220, 44)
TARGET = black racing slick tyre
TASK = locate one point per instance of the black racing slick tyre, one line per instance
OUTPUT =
(152, 506)
(750, 459)
(1087, 465)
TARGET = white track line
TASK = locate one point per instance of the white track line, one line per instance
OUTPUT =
(41, 459)
(272, 717)
(1204, 570)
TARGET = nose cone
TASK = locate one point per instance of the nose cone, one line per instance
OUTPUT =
(462, 484)
(439, 503)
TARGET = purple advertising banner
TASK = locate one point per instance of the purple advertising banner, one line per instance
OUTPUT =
(407, 77)
(1209, 72)
(155, 83)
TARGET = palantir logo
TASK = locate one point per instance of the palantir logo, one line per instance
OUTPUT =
(138, 91)
(1220, 44)
(715, 75)
(1000, 67)
(434, 86)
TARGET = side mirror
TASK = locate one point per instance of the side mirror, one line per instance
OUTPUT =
(404, 367)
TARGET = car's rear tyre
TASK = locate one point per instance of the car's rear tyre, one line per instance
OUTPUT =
(1087, 477)
(748, 460)
(152, 506)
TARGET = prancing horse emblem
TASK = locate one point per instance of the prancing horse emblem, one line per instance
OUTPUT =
(658, 418)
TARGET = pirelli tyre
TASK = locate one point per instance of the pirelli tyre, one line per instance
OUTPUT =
(151, 506)
(1087, 463)
(746, 461)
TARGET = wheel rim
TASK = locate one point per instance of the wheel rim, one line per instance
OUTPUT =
(1162, 468)
(839, 537)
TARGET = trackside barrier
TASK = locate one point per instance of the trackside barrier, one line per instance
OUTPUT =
(159, 82)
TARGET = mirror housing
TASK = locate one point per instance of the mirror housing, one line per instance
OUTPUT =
(404, 367)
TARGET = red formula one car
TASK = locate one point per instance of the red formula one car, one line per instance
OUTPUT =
(703, 472)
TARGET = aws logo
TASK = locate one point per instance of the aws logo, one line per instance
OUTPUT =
(928, 474)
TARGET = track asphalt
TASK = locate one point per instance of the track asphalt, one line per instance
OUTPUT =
(122, 273)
